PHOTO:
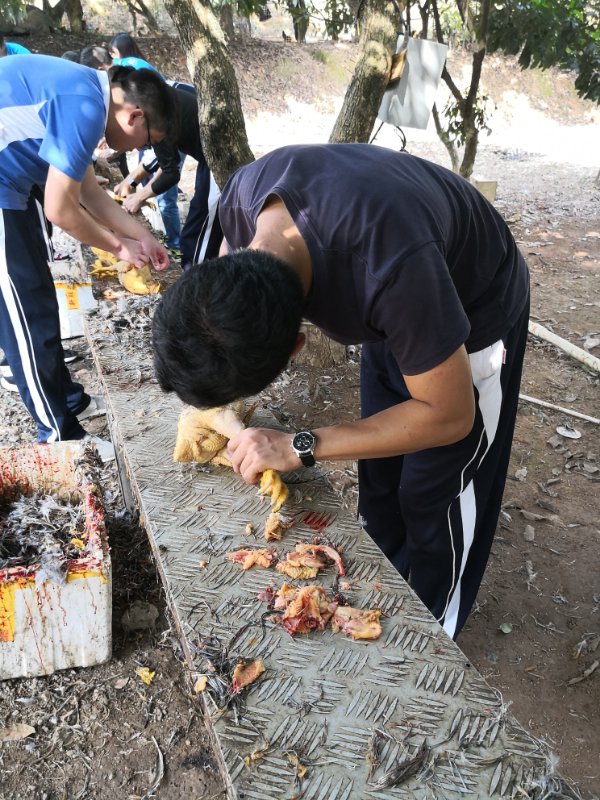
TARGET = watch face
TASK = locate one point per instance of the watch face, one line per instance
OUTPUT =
(304, 442)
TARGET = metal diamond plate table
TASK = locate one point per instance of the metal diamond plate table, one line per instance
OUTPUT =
(405, 716)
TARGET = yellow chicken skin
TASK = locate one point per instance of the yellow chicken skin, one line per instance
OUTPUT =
(203, 433)
(137, 280)
(272, 485)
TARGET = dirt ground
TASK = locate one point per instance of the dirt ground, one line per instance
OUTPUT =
(102, 732)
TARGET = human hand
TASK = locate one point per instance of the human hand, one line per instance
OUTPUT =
(255, 450)
(155, 252)
(132, 251)
(123, 189)
(132, 202)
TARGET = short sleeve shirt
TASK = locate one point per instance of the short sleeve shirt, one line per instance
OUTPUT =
(14, 49)
(402, 250)
(135, 63)
(52, 112)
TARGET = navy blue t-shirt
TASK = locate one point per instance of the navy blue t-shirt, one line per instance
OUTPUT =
(402, 250)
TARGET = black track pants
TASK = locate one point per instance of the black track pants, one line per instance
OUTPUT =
(434, 513)
(30, 326)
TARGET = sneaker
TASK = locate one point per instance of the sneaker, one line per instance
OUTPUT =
(6, 372)
(95, 408)
(70, 355)
(104, 448)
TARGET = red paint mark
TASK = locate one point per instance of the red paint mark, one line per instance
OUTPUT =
(317, 521)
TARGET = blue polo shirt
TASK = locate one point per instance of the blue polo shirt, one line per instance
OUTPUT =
(52, 112)
(14, 49)
(135, 63)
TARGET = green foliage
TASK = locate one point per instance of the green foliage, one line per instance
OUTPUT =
(11, 11)
(455, 123)
(319, 56)
(338, 18)
(336, 15)
(545, 33)
(453, 30)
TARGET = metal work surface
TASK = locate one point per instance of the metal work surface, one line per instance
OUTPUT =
(405, 716)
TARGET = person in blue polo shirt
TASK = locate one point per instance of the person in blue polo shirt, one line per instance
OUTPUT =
(52, 114)
(12, 49)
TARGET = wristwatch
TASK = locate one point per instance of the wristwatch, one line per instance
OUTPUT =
(303, 444)
(132, 182)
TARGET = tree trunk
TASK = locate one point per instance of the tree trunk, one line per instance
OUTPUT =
(55, 12)
(226, 21)
(75, 15)
(300, 19)
(222, 126)
(139, 7)
(319, 350)
(371, 73)
(466, 105)
(445, 139)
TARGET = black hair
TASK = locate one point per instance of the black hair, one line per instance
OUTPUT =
(72, 55)
(126, 45)
(95, 56)
(146, 89)
(227, 327)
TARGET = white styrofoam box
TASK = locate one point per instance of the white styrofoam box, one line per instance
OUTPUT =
(73, 300)
(46, 626)
(151, 212)
(74, 295)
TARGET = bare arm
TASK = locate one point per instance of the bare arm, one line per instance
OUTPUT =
(134, 201)
(124, 188)
(101, 222)
(441, 412)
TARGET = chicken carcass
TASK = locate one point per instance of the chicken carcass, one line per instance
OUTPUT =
(357, 623)
(247, 558)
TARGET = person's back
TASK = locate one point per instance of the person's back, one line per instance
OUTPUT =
(388, 231)
(43, 94)
(12, 49)
(134, 62)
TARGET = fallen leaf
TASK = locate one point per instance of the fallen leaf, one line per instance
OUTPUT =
(145, 674)
(529, 533)
(201, 684)
(121, 683)
(505, 627)
(17, 731)
(301, 770)
(586, 674)
(203, 564)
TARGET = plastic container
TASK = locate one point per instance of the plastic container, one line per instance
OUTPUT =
(46, 626)
(74, 295)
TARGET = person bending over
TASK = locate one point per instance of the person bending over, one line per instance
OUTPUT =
(54, 113)
(410, 260)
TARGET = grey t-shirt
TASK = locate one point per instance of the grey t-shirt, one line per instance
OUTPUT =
(402, 250)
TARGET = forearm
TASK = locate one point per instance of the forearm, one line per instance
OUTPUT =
(111, 215)
(83, 226)
(406, 428)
